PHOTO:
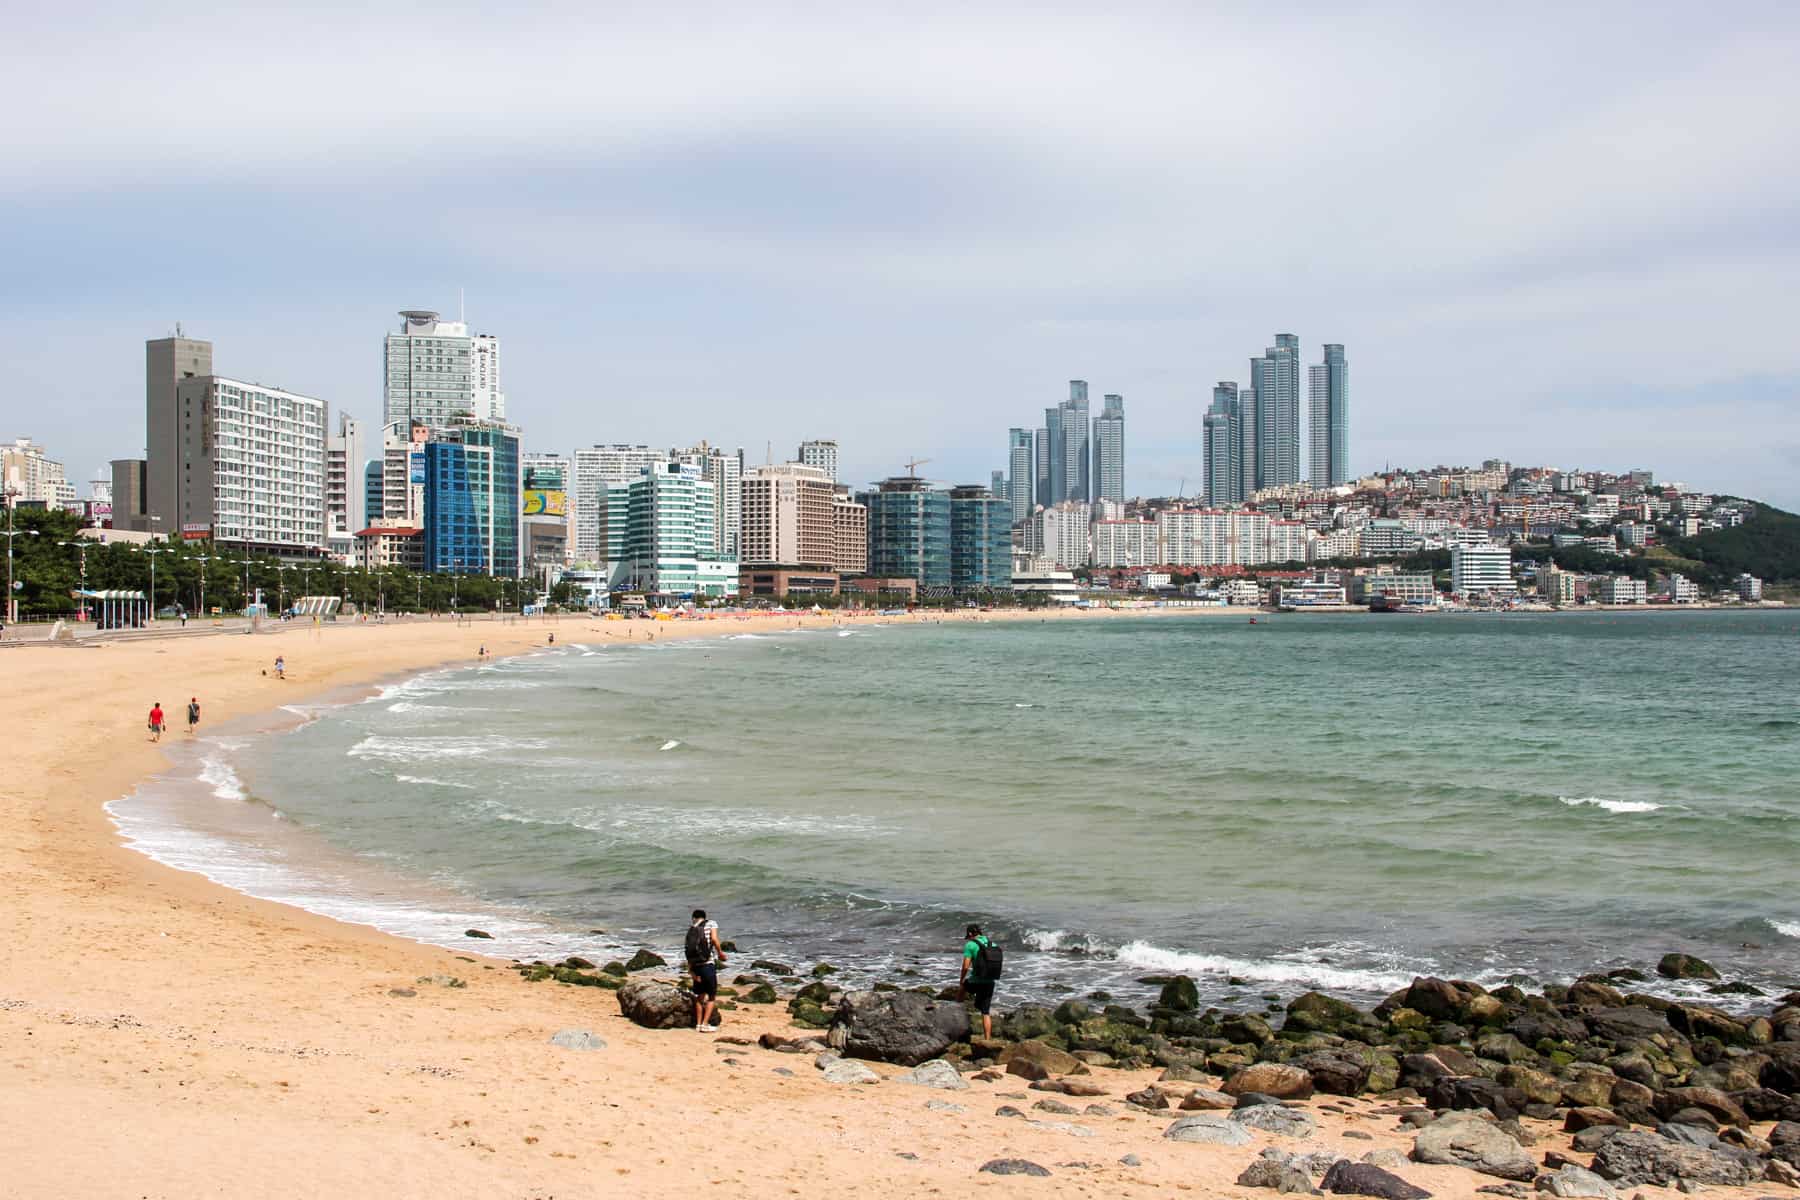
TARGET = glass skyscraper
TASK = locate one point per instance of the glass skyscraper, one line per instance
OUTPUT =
(1329, 418)
(1021, 468)
(1276, 379)
(1224, 447)
(1108, 477)
(1077, 444)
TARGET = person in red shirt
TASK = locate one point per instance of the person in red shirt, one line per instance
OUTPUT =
(156, 721)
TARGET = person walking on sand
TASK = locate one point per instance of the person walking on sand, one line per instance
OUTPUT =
(280, 667)
(704, 954)
(156, 720)
(980, 972)
(193, 714)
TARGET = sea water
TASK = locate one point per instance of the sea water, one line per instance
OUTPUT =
(1339, 802)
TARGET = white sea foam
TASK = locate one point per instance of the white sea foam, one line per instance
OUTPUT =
(1612, 806)
(433, 782)
(747, 637)
(1024, 706)
(224, 781)
(846, 633)
(1786, 928)
(669, 745)
(424, 749)
(1145, 956)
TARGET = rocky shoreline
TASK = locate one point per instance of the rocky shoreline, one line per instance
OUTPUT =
(1654, 1092)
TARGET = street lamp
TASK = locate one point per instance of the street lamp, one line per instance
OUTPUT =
(12, 603)
(281, 570)
(81, 547)
(455, 589)
(245, 561)
(203, 559)
(153, 551)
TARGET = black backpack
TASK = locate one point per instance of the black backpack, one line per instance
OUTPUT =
(989, 961)
(699, 946)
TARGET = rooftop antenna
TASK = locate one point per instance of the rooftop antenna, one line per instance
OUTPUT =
(462, 311)
(178, 329)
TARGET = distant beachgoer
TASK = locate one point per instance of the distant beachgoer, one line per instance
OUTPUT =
(184, 618)
(193, 714)
(980, 972)
(704, 954)
(156, 721)
(481, 653)
(553, 639)
(280, 667)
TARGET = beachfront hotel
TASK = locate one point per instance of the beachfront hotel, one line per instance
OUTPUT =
(434, 371)
(245, 464)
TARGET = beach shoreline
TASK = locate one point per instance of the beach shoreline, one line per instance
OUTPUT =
(204, 1041)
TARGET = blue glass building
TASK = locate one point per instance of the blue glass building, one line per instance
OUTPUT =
(472, 500)
(909, 532)
(980, 540)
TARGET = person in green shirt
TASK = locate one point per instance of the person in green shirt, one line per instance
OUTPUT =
(972, 985)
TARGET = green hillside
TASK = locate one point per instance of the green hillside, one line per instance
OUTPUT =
(1767, 546)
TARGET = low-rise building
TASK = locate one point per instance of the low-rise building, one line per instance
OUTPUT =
(1481, 570)
(1623, 589)
(1749, 588)
(1679, 589)
(1400, 587)
(1243, 592)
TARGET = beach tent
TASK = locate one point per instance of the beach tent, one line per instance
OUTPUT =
(116, 608)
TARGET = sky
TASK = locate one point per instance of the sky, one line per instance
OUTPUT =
(1561, 235)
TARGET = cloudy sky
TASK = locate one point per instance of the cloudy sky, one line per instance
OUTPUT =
(1561, 235)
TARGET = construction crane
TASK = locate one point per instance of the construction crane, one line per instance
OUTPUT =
(912, 466)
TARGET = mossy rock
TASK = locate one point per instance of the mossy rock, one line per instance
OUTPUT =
(643, 960)
(1072, 1012)
(762, 993)
(1179, 994)
(811, 1016)
(815, 993)
(1686, 966)
(615, 968)
(821, 970)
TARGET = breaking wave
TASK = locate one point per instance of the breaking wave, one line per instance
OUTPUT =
(1612, 806)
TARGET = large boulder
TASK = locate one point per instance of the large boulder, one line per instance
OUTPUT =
(655, 1005)
(643, 960)
(1711, 1101)
(1336, 1072)
(1274, 1118)
(1436, 998)
(896, 1027)
(1281, 1080)
(1475, 1091)
(1636, 1157)
(1782, 1071)
(934, 1074)
(1036, 1060)
(1321, 1011)
(1180, 994)
(1576, 1183)
(1686, 966)
(1463, 1140)
(1275, 1174)
(1346, 1178)
(1209, 1129)
(1627, 1026)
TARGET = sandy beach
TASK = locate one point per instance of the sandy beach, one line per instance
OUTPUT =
(166, 1037)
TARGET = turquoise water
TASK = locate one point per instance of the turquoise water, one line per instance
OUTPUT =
(1333, 801)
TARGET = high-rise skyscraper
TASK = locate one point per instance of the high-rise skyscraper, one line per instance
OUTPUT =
(1276, 378)
(167, 361)
(1224, 447)
(671, 539)
(1021, 467)
(1041, 454)
(434, 372)
(1057, 477)
(1109, 451)
(1077, 444)
(250, 463)
(1329, 418)
(821, 453)
(472, 506)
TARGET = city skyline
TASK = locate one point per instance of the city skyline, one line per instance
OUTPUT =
(913, 265)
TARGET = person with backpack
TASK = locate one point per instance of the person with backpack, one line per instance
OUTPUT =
(981, 967)
(704, 954)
